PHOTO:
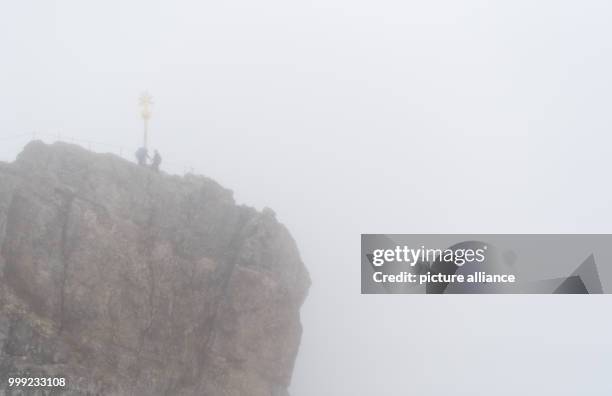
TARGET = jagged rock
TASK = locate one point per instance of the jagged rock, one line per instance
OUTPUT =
(129, 282)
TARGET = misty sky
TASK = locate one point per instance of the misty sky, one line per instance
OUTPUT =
(349, 117)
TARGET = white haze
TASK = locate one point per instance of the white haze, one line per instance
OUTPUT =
(349, 117)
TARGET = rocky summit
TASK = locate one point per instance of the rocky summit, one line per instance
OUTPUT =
(125, 281)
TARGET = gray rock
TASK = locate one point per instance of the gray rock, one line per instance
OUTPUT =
(129, 282)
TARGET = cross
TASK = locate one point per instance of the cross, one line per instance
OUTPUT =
(145, 101)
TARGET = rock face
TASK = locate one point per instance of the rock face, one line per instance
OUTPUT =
(129, 282)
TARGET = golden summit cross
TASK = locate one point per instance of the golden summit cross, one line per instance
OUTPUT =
(146, 100)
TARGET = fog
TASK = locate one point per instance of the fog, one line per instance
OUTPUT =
(350, 117)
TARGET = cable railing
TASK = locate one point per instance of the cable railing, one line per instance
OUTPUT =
(10, 145)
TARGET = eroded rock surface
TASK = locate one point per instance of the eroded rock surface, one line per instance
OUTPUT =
(128, 282)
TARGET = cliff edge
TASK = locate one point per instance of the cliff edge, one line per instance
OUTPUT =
(129, 282)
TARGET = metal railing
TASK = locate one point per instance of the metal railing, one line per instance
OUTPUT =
(11, 145)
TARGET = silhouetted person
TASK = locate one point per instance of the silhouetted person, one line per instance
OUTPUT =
(157, 159)
(142, 154)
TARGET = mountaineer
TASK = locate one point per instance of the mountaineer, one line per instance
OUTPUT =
(142, 154)
(157, 159)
